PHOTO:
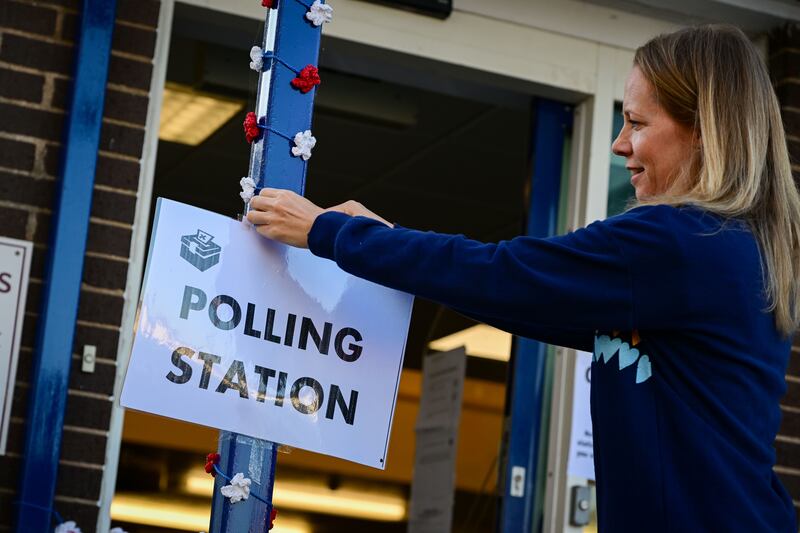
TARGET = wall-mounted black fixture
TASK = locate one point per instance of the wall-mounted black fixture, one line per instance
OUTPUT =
(436, 8)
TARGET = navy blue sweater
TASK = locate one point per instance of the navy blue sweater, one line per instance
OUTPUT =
(688, 369)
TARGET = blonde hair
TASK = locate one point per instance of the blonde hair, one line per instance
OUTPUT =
(711, 79)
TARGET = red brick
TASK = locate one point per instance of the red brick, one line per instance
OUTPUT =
(87, 412)
(792, 484)
(118, 105)
(794, 151)
(106, 340)
(9, 471)
(26, 190)
(19, 407)
(85, 515)
(16, 437)
(122, 139)
(13, 222)
(135, 41)
(125, 106)
(783, 65)
(789, 92)
(118, 173)
(29, 331)
(21, 85)
(128, 39)
(109, 240)
(790, 424)
(83, 447)
(100, 308)
(105, 273)
(78, 482)
(50, 57)
(74, 5)
(792, 396)
(102, 238)
(28, 18)
(34, 299)
(52, 155)
(113, 206)
(33, 122)
(791, 121)
(100, 381)
(128, 72)
(143, 12)
(17, 154)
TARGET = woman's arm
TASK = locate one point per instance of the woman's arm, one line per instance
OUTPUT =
(577, 282)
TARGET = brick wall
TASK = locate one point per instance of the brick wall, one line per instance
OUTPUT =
(36, 62)
(784, 67)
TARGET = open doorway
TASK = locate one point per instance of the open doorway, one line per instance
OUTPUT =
(426, 145)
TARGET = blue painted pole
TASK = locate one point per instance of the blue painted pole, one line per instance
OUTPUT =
(284, 111)
(527, 376)
(62, 281)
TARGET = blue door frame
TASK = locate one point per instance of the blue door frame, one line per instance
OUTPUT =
(52, 356)
(526, 433)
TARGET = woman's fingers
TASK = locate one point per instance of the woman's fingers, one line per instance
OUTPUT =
(261, 203)
(258, 217)
(283, 215)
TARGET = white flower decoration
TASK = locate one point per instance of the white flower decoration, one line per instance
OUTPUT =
(303, 143)
(257, 57)
(238, 490)
(319, 13)
(67, 527)
(117, 530)
(248, 188)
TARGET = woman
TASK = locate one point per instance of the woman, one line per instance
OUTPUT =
(689, 299)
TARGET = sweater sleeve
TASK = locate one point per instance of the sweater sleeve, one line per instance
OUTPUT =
(579, 339)
(578, 282)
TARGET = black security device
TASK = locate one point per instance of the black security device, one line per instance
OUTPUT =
(436, 8)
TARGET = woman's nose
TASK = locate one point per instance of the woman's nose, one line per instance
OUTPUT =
(621, 145)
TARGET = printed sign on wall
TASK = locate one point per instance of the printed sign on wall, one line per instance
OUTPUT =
(243, 334)
(15, 265)
(581, 445)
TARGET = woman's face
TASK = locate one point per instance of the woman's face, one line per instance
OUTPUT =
(654, 145)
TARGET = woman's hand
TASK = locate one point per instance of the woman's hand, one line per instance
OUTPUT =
(284, 216)
(356, 209)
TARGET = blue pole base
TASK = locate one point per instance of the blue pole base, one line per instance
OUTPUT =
(255, 459)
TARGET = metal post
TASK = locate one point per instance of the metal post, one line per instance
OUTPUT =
(525, 397)
(64, 270)
(295, 41)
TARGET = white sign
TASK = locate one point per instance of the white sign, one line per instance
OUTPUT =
(433, 486)
(581, 446)
(243, 334)
(15, 266)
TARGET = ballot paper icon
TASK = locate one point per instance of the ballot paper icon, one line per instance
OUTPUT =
(200, 250)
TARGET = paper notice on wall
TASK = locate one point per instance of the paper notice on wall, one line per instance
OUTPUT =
(581, 447)
(15, 265)
(433, 486)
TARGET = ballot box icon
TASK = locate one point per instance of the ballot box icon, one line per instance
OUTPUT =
(200, 250)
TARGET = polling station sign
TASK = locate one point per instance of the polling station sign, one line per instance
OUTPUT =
(241, 333)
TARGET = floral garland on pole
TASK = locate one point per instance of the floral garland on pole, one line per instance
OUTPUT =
(238, 488)
(306, 79)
